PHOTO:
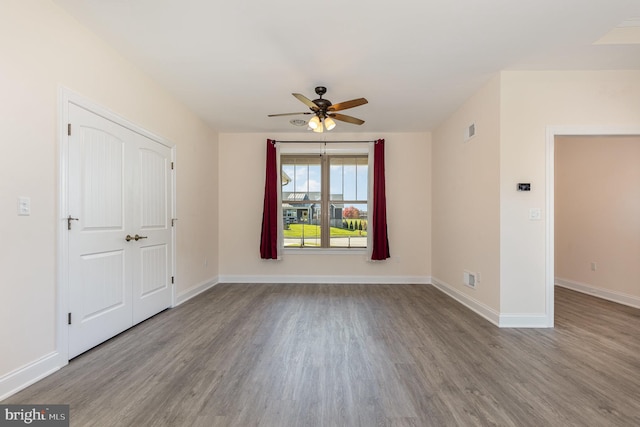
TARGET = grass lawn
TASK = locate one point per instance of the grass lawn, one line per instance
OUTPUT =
(295, 231)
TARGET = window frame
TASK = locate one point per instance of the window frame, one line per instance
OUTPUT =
(325, 152)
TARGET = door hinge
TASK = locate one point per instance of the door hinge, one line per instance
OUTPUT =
(173, 221)
(172, 280)
(69, 129)
(68, 318)
(171, 165)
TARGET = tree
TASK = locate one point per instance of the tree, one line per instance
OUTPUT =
(351, 212)
(351, 225)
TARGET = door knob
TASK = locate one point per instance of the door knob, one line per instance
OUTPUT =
(136, 238)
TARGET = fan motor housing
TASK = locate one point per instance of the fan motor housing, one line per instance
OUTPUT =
(322, 104)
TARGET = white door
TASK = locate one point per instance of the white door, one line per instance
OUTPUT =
(152, 253)
(119, 186)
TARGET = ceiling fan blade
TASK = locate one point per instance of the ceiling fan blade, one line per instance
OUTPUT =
(306, 101)
(288, 114)
(345, 118)
(347, 104)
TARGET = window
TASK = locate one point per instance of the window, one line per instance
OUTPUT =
(325, 200)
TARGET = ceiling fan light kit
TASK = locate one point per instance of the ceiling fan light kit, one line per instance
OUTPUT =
(324, 112)
(314, 123)
(329, 123)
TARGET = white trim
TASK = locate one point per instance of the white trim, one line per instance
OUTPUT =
(321, 148)
(525, 320)
(471, 303)
(549, 262)
(62, 284)
(511, 320)
(292, 250)
(280, 248)
(617, 297)
(370, 177)
(317, 279)
(174, 232)
(79, 100)
(24, 376)
(195, 291)
(551, 133)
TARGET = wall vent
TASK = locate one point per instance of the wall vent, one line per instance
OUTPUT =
(470, 132)
(470, 279)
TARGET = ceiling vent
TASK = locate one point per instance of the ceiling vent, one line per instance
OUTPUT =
(298, 122)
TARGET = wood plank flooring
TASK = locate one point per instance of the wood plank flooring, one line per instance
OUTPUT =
(355, 355)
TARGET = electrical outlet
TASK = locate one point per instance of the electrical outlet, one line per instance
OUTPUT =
(594, 266)
(535, 214)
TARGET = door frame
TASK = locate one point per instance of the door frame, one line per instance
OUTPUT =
(66, 97)
(551, 133)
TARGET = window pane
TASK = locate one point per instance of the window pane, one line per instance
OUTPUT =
(349, 223)
(349, 178)
(305, 203)
(362, 177)
(301, 178)
(301, 224)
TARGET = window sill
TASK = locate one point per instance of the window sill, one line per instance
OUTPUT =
(325, 251)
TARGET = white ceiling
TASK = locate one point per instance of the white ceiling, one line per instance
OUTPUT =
(416, 61)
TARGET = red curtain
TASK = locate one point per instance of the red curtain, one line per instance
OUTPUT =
(269, 237)
(380, 238)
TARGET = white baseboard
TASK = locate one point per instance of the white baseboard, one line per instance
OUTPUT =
(196, 290)
(618, 297)
(403, 280)
(23, 377)
(474, 305)
(512, 320)
(502, 320)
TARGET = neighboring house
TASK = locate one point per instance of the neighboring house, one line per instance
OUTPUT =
(307, 208)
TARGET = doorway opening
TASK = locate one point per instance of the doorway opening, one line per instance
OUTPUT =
(561, 242)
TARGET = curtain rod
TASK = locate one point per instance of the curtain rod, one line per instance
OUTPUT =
(324, 142)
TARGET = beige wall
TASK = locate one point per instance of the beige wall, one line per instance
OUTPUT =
(466, 198)
(531, 101)
(408, 186)
(41, 50)
(597, 212)
(480, 222)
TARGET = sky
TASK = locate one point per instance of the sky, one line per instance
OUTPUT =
(346, 177)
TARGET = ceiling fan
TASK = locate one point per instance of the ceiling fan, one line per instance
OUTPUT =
(324, 111)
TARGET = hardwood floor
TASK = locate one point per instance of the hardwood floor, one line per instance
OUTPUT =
(355, 355)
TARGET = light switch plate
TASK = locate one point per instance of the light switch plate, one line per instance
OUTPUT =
(24, 206)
